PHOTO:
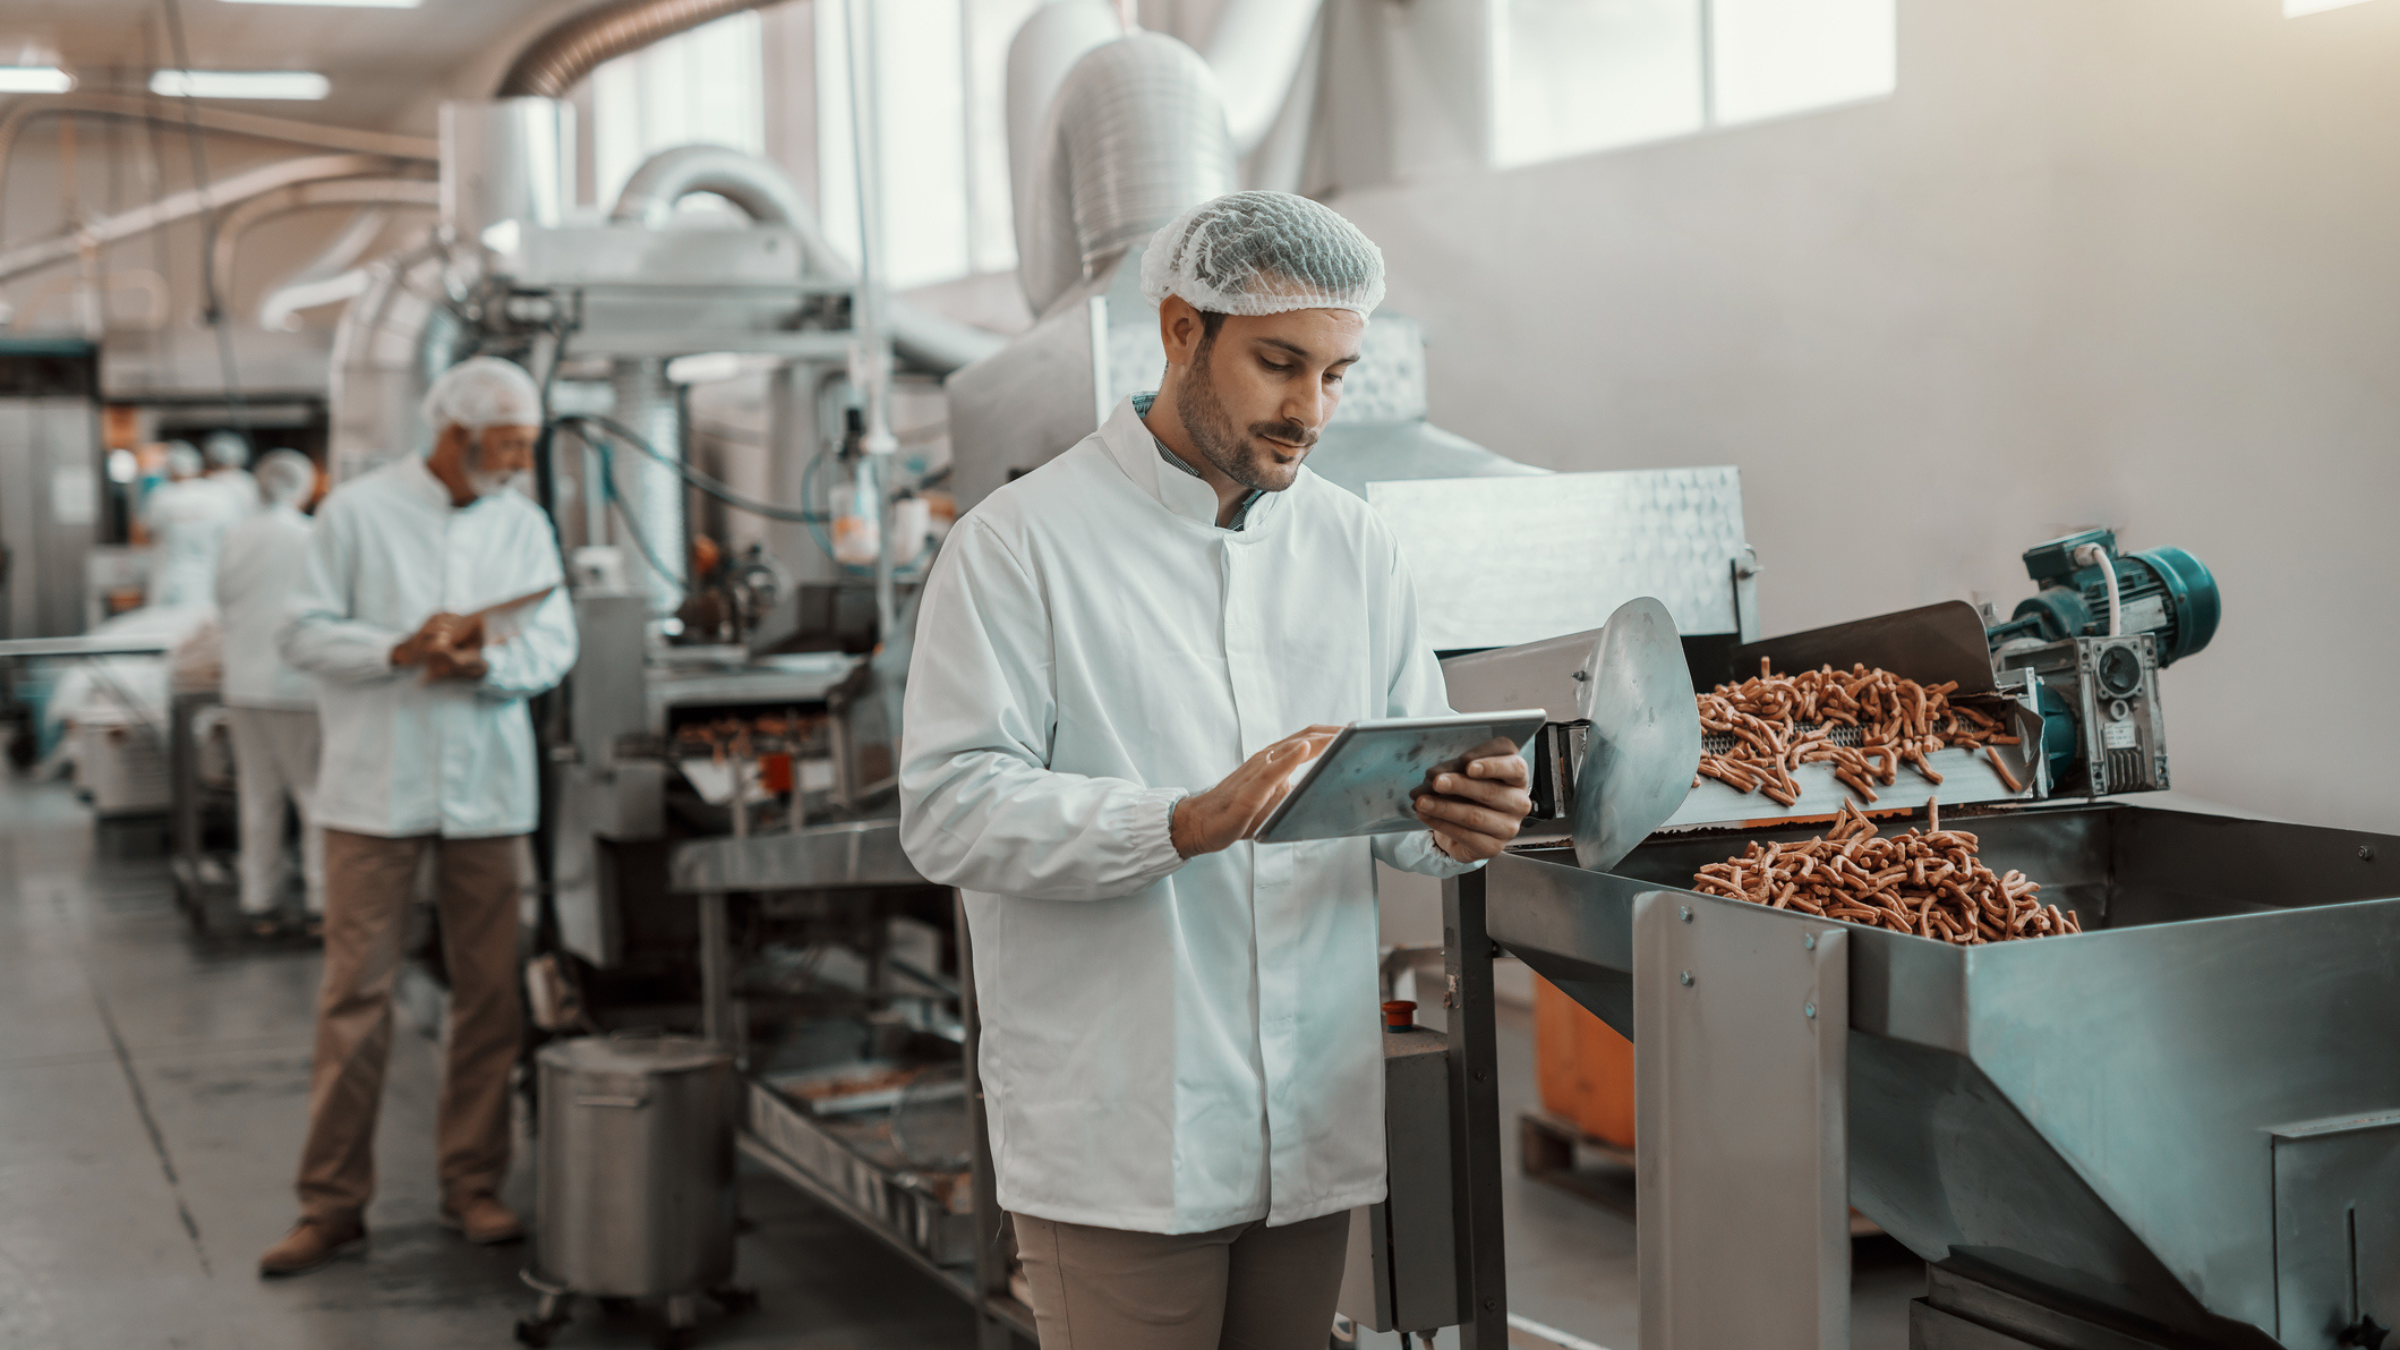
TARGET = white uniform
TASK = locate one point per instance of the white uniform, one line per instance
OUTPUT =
(272, 706)
(240, 487)
(1168, 1046)
(405, 756)
(187, 520)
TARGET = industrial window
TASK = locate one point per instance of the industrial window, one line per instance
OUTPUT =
(706, 85)
(1571, 77)
(940, 76)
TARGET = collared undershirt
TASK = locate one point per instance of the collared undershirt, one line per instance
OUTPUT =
(1241, 510)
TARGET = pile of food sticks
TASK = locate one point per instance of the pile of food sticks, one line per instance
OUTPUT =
(1780, 722)
(1928, 882)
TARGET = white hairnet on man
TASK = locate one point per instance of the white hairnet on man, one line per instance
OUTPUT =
(228, 454)
(1121, 658)
(186, 518)
(429, 609)
(271, 706)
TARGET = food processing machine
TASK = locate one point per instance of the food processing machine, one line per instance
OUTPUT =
(2179, 1128)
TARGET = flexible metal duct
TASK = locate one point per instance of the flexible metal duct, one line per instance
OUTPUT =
(557, 61)
(256, 126)
(762, 191)
(1045, 48)
(1136, 134)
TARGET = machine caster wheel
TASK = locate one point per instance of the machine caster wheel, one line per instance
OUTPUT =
(537, 1330)
(735, 1300)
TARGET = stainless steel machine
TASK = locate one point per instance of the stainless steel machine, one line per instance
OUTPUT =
(2180, 1128)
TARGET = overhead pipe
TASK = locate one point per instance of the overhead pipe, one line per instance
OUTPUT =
(240, 187)
(762, 191)
(305, 196)
(254, 125)
(561, 56)
(333, 275)
(1044, 49)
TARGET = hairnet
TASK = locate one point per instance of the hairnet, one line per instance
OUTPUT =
(483, 391)
(182, 460)
(227, 448)
(285, 477)
(1263, 253)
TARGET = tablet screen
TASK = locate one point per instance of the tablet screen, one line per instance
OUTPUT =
(1368, 779)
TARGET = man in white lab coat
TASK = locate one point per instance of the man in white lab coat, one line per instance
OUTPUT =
(272, 707)
(187, 517)
(430, 608)
(1180, 1034)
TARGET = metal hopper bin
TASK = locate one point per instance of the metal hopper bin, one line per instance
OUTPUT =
(2180, 1128)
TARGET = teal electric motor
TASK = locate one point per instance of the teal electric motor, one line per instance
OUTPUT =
(2164, 592)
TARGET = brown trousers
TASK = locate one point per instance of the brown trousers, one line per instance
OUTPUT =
(1248, 1287)
(369, 882)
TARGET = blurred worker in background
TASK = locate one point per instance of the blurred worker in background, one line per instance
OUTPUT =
(273, 707)
(1180, 1043)
(229, 468)
(187, 517)
(429, 609)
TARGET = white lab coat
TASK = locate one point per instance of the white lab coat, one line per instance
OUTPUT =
(240, 487)
(256, 567)
(403, 755)
(1168, 1046)
(188, 520)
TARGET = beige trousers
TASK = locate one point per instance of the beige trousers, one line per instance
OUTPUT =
(275, 761)
(1248, 1287)
(368, 884)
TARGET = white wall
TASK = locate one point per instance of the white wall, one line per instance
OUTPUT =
(2133, 262)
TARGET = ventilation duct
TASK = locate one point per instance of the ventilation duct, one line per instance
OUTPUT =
(558, 59)
(1136, 134)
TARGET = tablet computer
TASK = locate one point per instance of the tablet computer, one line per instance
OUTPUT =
(1368, 779)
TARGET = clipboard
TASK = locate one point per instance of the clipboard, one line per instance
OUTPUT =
(1368, 779)
(506, 619)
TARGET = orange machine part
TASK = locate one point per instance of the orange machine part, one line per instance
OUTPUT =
(1585, 1069)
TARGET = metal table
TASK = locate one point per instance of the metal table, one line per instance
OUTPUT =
(852, 857)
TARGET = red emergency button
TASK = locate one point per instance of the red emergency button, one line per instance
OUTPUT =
(1400, 1012)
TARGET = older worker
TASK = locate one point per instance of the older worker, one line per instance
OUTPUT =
(1180, 1043)
(273, 708)
(428, 749)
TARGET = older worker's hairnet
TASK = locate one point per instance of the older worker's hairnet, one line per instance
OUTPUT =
(1263, 253)
(183, 461)
(481, 392)
(285, 477)
(227, 449)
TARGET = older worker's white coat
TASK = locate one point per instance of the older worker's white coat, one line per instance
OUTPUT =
(403, 755)
(1168, 1046)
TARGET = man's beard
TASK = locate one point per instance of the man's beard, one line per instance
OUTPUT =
(1239, 457)
(481, 482)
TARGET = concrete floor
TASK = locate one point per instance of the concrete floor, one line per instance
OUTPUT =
(152, 1094)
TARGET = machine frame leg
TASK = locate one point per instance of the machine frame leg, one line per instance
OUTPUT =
(1741, 1077)
(1467, 953)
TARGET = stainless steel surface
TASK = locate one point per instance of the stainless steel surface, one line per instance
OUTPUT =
(1502, 561)
(898, 1205)
(651, 530)
(1368, 779)
(50, 485)
(1742, 1181)
(510, 159)
(1643, 737)
(78, 648)
(636, 1166)
(1549, 675)
(611, 698)
(2337, 1234)
(1402, 1272)
(854, 853)
(1958, 1313)
(1930, 644)
(766, 682)
(2083, 1121)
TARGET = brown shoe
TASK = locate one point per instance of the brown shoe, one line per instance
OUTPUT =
(483, 1220)
(312, 1243)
